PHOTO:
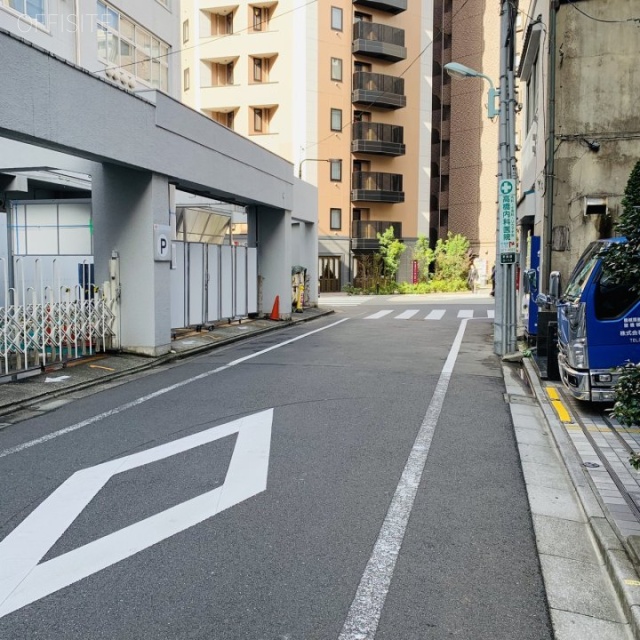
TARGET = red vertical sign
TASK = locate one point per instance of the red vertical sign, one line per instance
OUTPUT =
(415, 272)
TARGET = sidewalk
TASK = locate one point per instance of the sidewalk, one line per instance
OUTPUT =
(585, 536)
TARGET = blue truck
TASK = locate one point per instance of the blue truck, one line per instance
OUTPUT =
(598, 327)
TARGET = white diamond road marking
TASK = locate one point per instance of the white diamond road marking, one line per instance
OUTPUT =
(379, 314)
(23, 580)
(409, 313)
(436, 314)
(465, 313)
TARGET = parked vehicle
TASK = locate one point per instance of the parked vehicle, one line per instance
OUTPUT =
(598, 328)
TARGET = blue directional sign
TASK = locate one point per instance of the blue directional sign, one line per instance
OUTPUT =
(507, 213)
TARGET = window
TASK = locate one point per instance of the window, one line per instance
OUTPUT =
(186, 80)
(336, 170)
(361, 66)
(185, 31)
(532, 95)
(361, 17)
(225, 118)
(336, 69)
(361, 116)
(336, 119)
(221, 74)
(52, 229)
(221, 24)
(260, 18)
(335, 221)
(336, 18)
(123, 43)
(257, 69)
(261, 119)
(35, 9)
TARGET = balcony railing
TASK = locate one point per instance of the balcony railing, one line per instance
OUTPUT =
(377, 138)
(374, 186)
(364, 234)
(390, 6)
(378, 41)
(378, 90)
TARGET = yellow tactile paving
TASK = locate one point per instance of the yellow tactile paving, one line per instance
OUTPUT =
(558, 405)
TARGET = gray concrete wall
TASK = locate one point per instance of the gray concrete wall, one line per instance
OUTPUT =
(597, 98)
(126, 204)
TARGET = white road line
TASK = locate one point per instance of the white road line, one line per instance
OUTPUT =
(366, 608)
(379, 314)
(342, 301)
(491, 313)
(465, 313)
(155, 394)
(409, 313)
(436, 314)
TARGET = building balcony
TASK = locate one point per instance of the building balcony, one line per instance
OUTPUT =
(376, 90)
(444, 200)
(378, 41)
(390, 6)
(444, 165)
(435, 185)
(435, 151)
(377, 138)
(374, 186)
(364, 234)
(446, 94)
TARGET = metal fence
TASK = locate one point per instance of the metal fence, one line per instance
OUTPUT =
(44, 321)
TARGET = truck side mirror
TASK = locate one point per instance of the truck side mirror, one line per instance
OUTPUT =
(554, 285)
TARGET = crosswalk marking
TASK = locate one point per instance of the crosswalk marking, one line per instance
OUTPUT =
(491, 313)
(379, 314)
(409, 313)
(436, 314)
(342, 301)
(465, 313)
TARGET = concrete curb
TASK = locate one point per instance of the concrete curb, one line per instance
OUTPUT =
(10, 408)
(616, 558)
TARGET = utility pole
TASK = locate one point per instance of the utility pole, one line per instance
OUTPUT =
(504, 337)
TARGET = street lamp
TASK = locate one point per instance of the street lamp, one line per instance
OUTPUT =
(313, 160)
(457, 70)
(505, 296)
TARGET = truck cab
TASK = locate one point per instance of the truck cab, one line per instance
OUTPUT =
(598, 328)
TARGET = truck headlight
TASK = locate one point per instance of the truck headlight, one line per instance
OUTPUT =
(578, 354)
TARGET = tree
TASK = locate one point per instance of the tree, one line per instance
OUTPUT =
(424, 255)
(622, 260)
(390, 251)
(452, 258)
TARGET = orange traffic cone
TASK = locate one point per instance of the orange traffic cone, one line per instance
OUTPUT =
(275, 312)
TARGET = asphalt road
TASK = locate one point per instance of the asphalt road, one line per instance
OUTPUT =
(366, 484)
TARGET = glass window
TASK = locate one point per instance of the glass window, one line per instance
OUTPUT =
(257, 69)
(186, 79)
(336, 18)
(185, 31)
(257, 120)
(612, 299)
(259, 17)
(336, 119)
(336, 170)
(336, 69)
(335, 221)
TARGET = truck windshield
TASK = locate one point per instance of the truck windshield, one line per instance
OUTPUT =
(582, 271)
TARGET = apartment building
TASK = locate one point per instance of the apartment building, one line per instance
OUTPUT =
(343, 90)
(464, 141)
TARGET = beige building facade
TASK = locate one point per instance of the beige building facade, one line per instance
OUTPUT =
(342, 90)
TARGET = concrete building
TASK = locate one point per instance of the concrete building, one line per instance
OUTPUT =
(579, 122)
(89, 115)
(465, 141)
(342, 90)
